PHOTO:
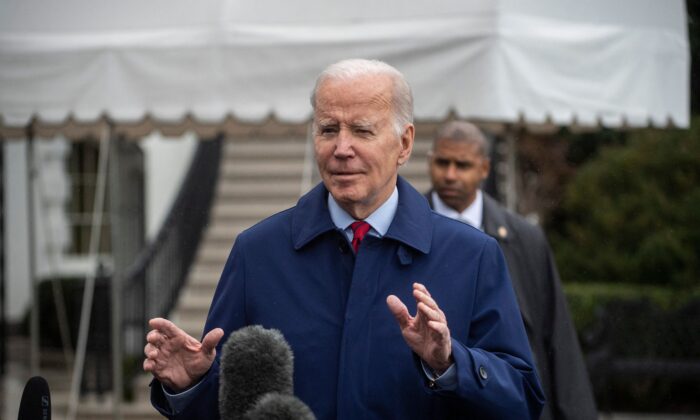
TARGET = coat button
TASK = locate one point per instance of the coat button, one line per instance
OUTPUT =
(483, 373)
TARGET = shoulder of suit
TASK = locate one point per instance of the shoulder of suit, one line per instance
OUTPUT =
(515, 223)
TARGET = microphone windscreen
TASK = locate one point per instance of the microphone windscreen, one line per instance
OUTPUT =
(36, 400)
(275, 406)
(254, 361)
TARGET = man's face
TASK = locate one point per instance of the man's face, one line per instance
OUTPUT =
(456, 171)
(357, 150)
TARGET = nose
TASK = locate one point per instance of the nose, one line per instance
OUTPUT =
(343, 145)
(451, 172)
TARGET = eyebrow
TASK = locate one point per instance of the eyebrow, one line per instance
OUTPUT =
(456, 161)
(326, 122)
(362, 124)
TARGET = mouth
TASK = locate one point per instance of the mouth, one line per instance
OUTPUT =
(345, 174)
(448, 192)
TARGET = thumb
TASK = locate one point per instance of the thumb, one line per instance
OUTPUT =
(210, 340)
(399, 310)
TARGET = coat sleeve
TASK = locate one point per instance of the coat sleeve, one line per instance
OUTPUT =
(495, 370)
(227, 311)
(572, 394)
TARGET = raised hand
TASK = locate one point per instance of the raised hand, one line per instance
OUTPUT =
(426, 333)
(175, 358)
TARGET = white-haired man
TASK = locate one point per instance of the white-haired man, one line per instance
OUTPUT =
(363, 281)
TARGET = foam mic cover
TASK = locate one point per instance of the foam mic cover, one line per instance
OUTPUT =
(36, 400)
(274, 406)
(254, 362)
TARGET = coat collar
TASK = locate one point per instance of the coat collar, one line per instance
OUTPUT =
(412, 224)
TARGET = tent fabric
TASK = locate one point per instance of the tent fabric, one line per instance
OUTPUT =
(562, 62)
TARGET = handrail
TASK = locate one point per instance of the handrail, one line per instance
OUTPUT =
(153, 281)
(208, 154)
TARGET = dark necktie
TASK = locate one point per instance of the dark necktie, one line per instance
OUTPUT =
(359, 230)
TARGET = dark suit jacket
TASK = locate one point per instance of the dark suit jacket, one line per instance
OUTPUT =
(542, 303)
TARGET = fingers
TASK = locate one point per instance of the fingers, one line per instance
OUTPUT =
(422, 288)
(166, 327)
(151, 362)
(399, 310)
(155, 337)
(426, 305)
(441, 333)
(210, 340)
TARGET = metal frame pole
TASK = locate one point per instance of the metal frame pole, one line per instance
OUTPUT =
(116, 305)
(34, 331)
(89, 291)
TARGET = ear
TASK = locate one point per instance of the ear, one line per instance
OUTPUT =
(406, 143)
(485, 168)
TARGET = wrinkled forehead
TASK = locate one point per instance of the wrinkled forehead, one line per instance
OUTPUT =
(360, 92)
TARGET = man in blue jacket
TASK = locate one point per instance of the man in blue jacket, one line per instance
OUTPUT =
(392, 310)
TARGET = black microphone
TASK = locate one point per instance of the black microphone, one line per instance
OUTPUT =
(274, 406)
(256, 363)
(36, 400)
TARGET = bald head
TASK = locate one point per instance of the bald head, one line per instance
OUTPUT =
(464, 132)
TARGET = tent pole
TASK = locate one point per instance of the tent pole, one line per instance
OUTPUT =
(34, 363)
(89, 290)
(116, 301)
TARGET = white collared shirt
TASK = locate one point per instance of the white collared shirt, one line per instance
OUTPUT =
(473, 215)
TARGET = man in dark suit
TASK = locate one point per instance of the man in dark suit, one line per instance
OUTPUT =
(459, 163)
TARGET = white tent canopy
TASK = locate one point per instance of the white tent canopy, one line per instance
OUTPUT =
(566, 62)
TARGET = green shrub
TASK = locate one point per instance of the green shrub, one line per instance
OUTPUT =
(645, 324)
(632, 214)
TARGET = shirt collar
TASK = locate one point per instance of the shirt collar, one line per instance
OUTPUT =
(379, 220)
(473, 215)
(412, 224)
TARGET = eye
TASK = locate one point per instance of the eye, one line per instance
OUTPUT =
(364, 132)
(328, 130)
(462, 165)
(443, 163)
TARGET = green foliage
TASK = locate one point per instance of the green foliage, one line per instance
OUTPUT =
(587, 300)
(644, 324)
(632, 214)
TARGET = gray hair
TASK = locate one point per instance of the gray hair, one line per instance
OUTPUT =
(462, 131)
(402, 97)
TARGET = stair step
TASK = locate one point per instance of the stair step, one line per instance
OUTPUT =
(248, 210)
(194, 300)
(267, 150)
(212, 255)
(262, 169)
(204, 275)
(255, 190)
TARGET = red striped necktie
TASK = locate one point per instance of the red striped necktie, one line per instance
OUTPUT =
(359, 230)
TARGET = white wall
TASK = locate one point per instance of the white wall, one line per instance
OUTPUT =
(16, 246)
(166, 162)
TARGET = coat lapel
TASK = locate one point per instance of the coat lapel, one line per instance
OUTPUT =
(494, 220)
